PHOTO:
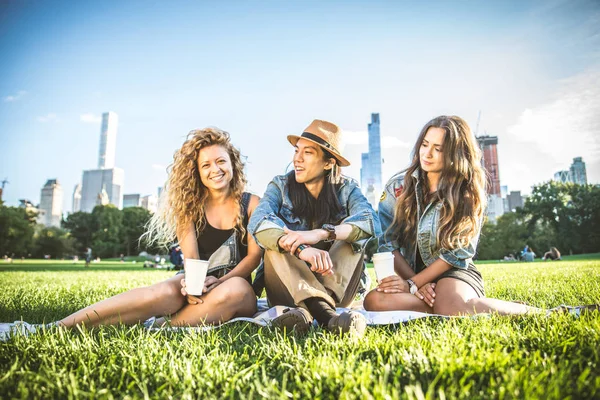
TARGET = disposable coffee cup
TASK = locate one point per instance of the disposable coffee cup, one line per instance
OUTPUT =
(384, 265)
(195, 274)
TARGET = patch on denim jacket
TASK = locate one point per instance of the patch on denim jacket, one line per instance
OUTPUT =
(398, 191)
(383, 196)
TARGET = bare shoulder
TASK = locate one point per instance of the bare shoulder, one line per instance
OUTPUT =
(254, 200)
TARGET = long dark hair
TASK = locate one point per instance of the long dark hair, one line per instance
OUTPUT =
(461, 189)
(323, 209)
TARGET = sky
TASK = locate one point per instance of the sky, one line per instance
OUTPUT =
(264, 69)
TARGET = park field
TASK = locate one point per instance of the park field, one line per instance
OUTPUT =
(554, 357)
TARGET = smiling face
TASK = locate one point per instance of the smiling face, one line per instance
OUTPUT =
(215, 167)
(309, 163)
(431, 151)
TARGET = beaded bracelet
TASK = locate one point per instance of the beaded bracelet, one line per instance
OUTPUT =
(299, 250)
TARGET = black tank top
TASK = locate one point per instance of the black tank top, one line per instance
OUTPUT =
(211, 238)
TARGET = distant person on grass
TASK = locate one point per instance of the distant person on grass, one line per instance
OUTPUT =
(88, 256)
(314, 224)
(433, 211)
(553, 254)
(207, 211)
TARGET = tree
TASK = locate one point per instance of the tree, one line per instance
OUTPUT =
(134, 222)
(107, 227)
(55, 242)
(17, 227)
(81, 227)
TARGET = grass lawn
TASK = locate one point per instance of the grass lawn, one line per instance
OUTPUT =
(489, 357)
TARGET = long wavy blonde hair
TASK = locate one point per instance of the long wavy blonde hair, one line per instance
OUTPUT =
(461, 189)
(183, 200)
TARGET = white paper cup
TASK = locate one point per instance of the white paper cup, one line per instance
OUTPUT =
(195, 274)
(384, 265)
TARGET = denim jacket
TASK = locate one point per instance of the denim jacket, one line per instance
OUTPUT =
(275, 211)
(427, 227)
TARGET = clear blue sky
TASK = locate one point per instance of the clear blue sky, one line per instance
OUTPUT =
(262, 70)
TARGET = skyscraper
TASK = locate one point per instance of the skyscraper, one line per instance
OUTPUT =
(108, 140)
(370, 172)
(488, 145)
(578, 172)
(77, 198)
(107, 180)
(97, 180)
(562, 176)
(51, 203)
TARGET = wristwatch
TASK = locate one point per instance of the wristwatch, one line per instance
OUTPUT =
(330, 230)
(412, 286)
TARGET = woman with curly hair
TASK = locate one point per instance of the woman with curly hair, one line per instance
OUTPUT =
(432, 214)
(206, 209)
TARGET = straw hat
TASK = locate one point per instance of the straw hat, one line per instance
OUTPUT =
(326, 135)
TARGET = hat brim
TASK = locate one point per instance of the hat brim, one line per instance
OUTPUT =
(293, 139)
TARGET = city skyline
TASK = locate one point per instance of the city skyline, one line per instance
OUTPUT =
(264, 70)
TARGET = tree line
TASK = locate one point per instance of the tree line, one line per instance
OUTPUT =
(109, 231)
(563, 215)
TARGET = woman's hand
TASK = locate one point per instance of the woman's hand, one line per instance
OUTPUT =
(427, 293)
(393, 284)
(319, 260)
(191, 299)
(210, 283)
(292, 239)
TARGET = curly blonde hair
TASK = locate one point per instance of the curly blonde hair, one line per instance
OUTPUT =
(183, 199)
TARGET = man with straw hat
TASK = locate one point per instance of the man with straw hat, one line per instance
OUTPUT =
(314, 225)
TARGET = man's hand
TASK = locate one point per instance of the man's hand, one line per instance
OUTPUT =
(292, 239)
(319, 260)
(393, 284)
(427, 293)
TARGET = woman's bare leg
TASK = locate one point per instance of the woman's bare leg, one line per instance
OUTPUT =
(455, 297)
(378, 301)
(232, 298)
(134, 306)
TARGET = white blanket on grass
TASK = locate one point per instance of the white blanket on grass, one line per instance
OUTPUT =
(263, 318)
(265, 315)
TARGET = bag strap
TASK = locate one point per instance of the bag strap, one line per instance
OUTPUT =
(246, 203)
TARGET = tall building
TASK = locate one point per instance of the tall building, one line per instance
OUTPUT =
(515, 200)
(76, 198)
(108, 140)
(578, 172)
(488, 145)
(107, 181)
(562, 176)
(370, 172)
(131, 200)
(97, 180)
(51, 203)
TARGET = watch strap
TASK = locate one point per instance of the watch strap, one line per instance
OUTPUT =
(412, 286)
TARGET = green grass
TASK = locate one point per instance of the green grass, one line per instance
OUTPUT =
(489, 357)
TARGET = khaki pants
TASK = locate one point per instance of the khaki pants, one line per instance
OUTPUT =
(289, 281)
